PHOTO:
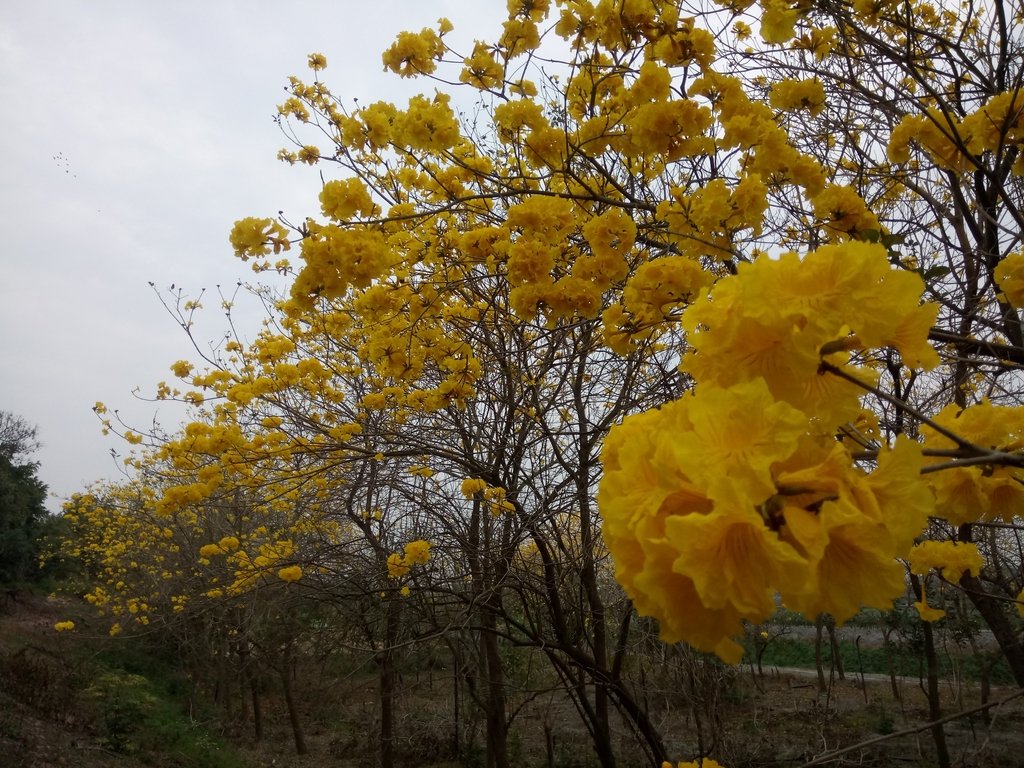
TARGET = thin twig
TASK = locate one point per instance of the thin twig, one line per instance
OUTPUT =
(835, 370)
(830, 756)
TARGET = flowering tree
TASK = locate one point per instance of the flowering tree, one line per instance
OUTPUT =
(777, 245)
(644, 196)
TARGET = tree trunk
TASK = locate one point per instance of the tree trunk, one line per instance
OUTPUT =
(289, 698)
(991, 611)
(932, 690)
(887, 644)
(837, 659)
(249, 681)
(386, 661)
(456, 701)
(818, 664)
(601, 729)
(497, 731)
(257, 709)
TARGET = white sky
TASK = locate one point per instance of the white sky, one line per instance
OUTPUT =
(135, 134)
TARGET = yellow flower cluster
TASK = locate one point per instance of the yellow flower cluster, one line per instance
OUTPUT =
(257, 237)
(342, 199)
(64, 626)
(790, 95)
(495, 496)
(250, 571)
(997, 125)
(414, 53)
(225, 546)
(778, 19)
(951, 558)
(416, 553)
(972, 493)
(719, 500)
(1010, 277)
(397, 567)
(777, 318)
(337, 259)
(472, 486)
(482, 69)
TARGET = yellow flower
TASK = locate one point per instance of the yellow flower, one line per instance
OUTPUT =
(182, 368)
(857, 565)
(64, 626)
(482, 70)
(926, 612)
(1009, 275)
(733, 559)
(519, 37)
(806, 94)
(840, 208)
(342, 199)
(951, 558)
(417, 552)
(290, 573)
(397, 567)
(968, 494)
(902, 495)
(256, 237)
(473, 485)
(736, 434)
(414, 53)
(778, 20)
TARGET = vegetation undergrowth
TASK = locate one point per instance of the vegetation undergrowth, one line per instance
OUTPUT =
(905, 659)
(89, 699)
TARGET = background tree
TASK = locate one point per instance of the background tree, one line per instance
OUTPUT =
(18, 438)
(22, 500)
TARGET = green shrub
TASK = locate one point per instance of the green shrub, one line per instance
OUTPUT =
(121, 705)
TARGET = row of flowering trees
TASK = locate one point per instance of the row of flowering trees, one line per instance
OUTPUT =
(721, 299)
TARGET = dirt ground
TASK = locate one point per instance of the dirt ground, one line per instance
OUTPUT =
(780, 718)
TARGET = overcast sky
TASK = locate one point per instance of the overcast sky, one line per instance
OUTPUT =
(135, 134)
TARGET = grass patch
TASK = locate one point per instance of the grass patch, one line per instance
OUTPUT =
(906, 661)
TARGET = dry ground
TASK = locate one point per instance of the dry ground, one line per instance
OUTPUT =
(778, 719)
